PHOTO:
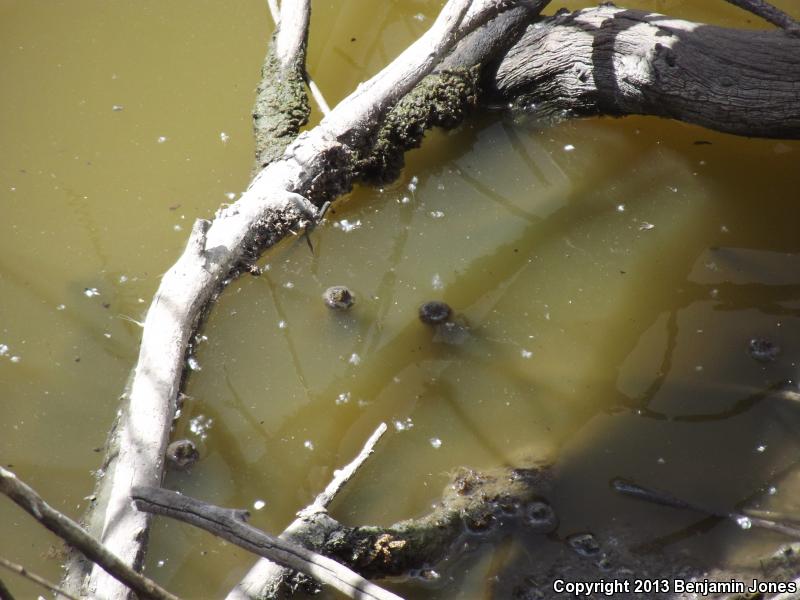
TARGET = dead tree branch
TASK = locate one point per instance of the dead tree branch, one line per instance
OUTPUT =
(266, 577)
(230, 525)
(768, 12)
(23, 572)
(72, 533)
(613, 61)
(282, 198)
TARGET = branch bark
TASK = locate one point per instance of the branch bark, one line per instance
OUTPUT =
(612, 61)
(72, 533)
(768, 12)
(230, 525)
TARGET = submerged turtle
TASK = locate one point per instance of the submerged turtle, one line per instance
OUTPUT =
(338, 297)
(434, 312)
(182, 454)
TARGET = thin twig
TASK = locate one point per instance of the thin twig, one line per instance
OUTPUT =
(23, 572)
(230, 525)
(343, 475)
(769, 13)
(72, 533)
(745, 520)
(266, 573)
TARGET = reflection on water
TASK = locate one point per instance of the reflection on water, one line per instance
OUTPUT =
(609, 277)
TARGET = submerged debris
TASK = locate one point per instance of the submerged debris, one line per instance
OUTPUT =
(338, 297)
(182, 454)
(763, 350)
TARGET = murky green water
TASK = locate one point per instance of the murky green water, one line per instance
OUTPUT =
(618, 348)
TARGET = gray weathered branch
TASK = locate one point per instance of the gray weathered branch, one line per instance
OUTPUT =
(72, 533)
(769, 13)
(230, 525)
(613, 61)
(265, 577)
(5, 594)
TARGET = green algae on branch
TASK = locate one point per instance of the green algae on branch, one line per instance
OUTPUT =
(281, 108)
(443, 99)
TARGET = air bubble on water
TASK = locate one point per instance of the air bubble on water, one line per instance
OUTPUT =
(193, 363)
(672, 189)
(224, 137)
(347, 226)
(772, 490)
(230, 196)
(61, 307)
(161, 139)
(744, 522)
(436, 282)
(526, 353)
(200, 425)
(259, 504)
(177, 227)
(404, 425)
(123, 279)
(343, 398)
(419, 17)
(412, 185)
(161, 563)
(354, 359)
(15, 359)
(645, 226)
(405, 200)
(436, 214)
(90, 292)
(761, 448)
(569, 148)
(3, 349)
(308, 445)
(288, 285)
(107, 335)
(282, 325)
(440, 186)
(436, 442)
(117, 107)
(620, 208)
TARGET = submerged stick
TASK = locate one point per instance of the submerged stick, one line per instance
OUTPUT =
(743, 520)
(5, 594)
(72, 533)
(229, 524)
